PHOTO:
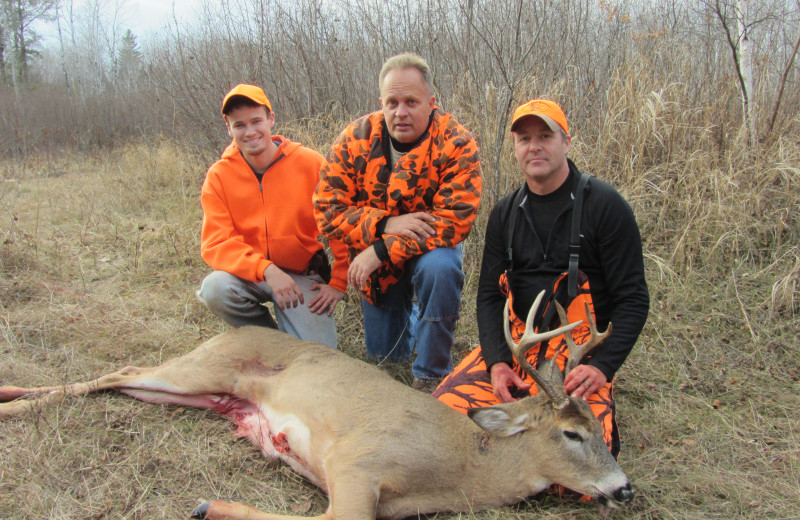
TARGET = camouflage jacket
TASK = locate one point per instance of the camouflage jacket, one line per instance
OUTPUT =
(358, 188)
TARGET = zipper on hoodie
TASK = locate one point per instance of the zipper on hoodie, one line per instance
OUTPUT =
(260, 178)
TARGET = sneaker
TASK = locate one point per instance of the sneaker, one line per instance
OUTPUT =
(427, 385)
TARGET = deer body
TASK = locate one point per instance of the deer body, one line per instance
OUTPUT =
(377, 447)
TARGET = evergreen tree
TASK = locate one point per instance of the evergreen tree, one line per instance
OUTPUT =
(17, 35)
(129, 60)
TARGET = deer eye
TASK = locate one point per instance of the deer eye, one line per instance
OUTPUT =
(573, 436)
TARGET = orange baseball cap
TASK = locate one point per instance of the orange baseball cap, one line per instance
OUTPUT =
(548, 111)
(251, 92)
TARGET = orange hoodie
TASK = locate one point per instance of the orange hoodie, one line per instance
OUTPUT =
(249, 225)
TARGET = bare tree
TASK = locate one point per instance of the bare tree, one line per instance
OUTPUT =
(784, 79)
(319, 59)
(739, 20)
(3, 41)
(17, 18)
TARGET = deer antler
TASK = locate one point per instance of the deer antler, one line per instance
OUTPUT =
(578, 352)
(531, 338)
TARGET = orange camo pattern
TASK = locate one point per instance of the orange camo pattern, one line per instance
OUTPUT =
(357, 189)
(470, 386)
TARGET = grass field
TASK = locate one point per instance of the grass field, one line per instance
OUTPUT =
(99, 261)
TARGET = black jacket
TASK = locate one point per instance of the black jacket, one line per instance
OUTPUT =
(610, 255)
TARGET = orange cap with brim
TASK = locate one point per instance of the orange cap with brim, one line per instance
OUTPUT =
(251, 92)
(548, 111)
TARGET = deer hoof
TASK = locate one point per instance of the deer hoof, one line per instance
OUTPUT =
(201, 510)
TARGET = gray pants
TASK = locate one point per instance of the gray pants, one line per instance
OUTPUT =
(240, 302)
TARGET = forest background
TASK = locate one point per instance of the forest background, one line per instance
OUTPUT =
(689, 108)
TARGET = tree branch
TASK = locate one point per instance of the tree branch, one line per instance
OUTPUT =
(784, 77)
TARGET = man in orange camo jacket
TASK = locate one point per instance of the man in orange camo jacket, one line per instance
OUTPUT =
(401, 188)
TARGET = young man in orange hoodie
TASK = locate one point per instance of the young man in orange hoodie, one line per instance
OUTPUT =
(259, 234)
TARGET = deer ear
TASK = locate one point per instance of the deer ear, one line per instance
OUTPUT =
(500, 420)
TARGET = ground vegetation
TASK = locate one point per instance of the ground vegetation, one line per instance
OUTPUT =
(103, 156)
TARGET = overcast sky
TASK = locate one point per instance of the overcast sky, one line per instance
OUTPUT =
(149, 16)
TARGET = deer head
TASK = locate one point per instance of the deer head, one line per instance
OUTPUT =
(569, 437)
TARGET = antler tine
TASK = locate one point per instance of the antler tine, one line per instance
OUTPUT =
(578, 352)
(531, 338)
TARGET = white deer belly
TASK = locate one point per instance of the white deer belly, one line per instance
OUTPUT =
(285, 436)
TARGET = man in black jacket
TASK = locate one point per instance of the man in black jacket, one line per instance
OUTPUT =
(527, 249)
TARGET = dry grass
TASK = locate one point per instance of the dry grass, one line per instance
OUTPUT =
(99, 261)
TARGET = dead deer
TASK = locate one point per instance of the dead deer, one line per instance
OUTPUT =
(377, 447)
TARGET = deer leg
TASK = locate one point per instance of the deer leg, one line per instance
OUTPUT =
(47, 394)
(352, 495)
(171, 383)
(356, 502)
(219, 510)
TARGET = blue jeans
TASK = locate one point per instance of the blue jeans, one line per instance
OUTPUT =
(240, 302)
(398, 326)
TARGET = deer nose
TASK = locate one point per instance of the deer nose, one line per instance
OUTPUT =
(625, 494)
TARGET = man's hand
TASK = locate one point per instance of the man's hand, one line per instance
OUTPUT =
(413, 225)
(503, 378)
(583, 381)
(327, 298)
(284, 290)
(362, 266)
